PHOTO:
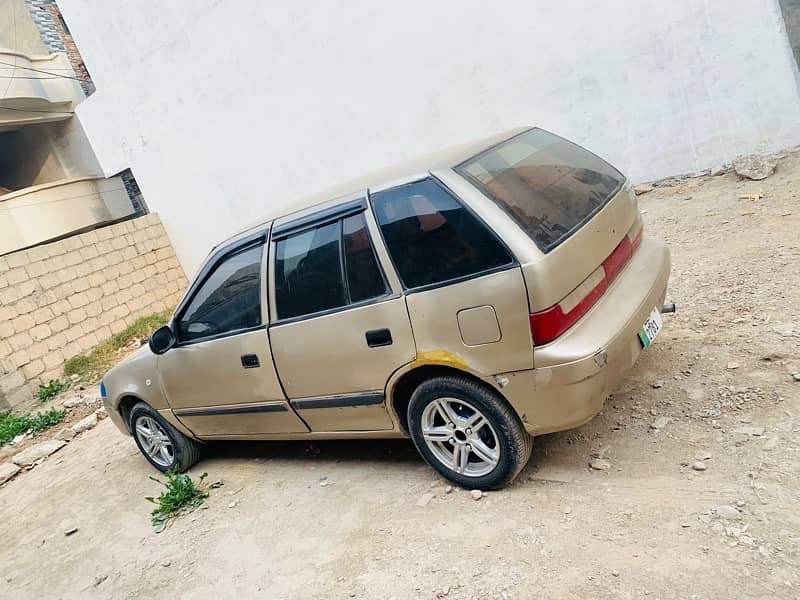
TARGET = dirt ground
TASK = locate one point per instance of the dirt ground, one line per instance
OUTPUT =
(343, 519)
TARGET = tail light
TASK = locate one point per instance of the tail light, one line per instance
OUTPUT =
(548, 324)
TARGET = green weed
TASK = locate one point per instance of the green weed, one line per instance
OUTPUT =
(12, 425)
(46, 420)
(51, 390)
(181, 494)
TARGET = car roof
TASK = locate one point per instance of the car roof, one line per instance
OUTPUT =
(445, 158)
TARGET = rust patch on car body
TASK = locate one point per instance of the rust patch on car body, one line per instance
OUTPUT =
(440, 357)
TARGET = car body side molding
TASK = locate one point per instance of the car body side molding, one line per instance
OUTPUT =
(232, 410)
(344, 400)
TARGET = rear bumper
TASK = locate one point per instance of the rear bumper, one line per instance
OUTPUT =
(575, 374)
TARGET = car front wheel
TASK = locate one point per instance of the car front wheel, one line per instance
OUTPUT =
(467, 432)
(161, 444)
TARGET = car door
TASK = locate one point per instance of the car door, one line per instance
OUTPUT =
(464, 289)
(340, 327)
(219, 378)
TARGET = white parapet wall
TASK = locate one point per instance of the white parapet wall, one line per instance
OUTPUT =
(227, 110)
(36, 89)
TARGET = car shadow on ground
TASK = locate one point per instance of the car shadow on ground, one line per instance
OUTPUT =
(343, 451)
(394, 453)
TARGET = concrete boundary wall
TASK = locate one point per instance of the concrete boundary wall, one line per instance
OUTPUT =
(245, 107)
(60, 299)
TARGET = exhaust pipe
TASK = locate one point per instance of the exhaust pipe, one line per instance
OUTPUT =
(668, 308)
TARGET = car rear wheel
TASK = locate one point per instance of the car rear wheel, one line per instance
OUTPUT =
(161, 444)
(467, 432)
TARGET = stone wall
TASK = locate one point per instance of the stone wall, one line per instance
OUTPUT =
(60, 299)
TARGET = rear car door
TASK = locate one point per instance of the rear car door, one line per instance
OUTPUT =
(465, 291)
(339, 327)
(219, 379)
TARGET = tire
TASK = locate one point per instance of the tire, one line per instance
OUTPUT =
(183, 451)
(495, 452)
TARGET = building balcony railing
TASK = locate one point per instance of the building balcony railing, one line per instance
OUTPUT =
(51, 211)
(36, 89)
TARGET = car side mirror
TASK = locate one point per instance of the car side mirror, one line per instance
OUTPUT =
(162, 339)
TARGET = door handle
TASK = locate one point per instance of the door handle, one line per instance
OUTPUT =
(250, 361)
(378, 337)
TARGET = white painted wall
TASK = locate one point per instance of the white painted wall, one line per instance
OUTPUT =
(225, 109)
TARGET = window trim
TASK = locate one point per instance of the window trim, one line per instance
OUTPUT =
(317, 219)
(462, 279)
(453, 280)
(342, 265)
(242, 245)
(217, 336)
(330, 215)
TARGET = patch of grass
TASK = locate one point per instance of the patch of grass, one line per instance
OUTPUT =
(51, 390)
(45, 420)
(140, 328)
(90, 367)
(12, 425)
(181, 494)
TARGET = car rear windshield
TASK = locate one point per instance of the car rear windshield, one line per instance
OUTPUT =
(548, 185)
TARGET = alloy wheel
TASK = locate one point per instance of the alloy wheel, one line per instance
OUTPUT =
(460, 437)
(155, 441)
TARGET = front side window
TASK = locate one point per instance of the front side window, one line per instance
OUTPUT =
(229, 300)
(432, 238)
(327, 267)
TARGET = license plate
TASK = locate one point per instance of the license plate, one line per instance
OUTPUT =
(651, 328)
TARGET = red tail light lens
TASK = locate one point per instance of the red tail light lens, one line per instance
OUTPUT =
(617, 259)
(548, 324)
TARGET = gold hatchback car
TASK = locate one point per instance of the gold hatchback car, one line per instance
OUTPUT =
(469, 299)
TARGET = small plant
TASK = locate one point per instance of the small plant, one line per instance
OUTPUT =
(51, 390)
(46, 420)
(13, 425)
(182, 494)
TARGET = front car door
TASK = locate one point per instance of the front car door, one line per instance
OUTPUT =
(219, 379)
(340, 326)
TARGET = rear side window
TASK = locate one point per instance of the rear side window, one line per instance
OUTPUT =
(432, 237)
(326, 267)
(547, 184)
(364, 277)
(229, 300)
(308, 272)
